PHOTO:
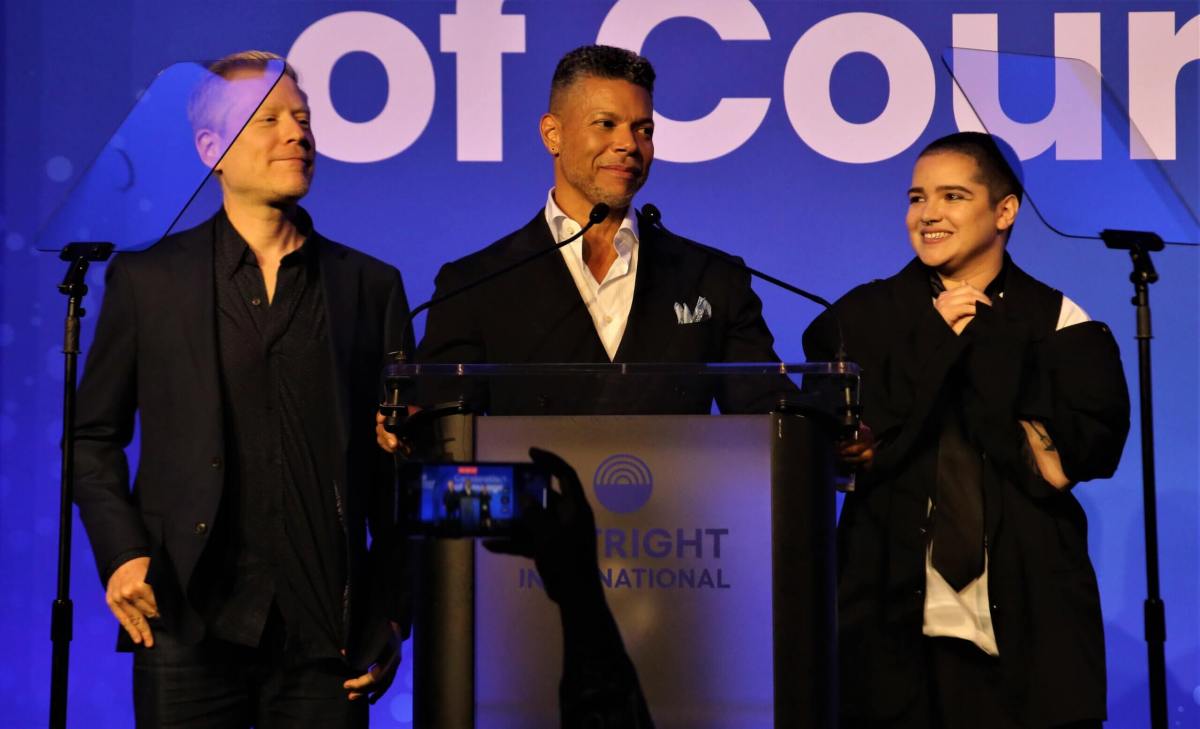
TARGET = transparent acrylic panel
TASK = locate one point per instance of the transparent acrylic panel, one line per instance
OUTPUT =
(151, 168)
(1086, 166)
(625, 388)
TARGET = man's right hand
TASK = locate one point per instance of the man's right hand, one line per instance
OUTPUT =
(386, 440)
(859, 451)
(389, 441)
(132, 600)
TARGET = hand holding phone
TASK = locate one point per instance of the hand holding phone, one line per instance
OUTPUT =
(560, 537)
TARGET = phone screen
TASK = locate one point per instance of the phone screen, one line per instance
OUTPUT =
(472, 499)
(471, 495)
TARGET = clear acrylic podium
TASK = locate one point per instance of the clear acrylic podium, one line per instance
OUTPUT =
(715, 537)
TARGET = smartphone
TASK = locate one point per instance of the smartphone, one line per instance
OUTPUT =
(470, 499)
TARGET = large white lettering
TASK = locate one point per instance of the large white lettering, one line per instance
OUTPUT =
(1156, 56)
(1072, 125)
(733, 121)
(410, 84)
(479, 34)
(809, 103)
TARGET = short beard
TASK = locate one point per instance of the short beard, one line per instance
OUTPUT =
(613, 200)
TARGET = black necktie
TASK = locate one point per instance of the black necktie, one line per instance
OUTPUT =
(957, 539)
(958, 504)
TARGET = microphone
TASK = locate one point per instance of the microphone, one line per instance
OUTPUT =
(848, 408)
(597, 215)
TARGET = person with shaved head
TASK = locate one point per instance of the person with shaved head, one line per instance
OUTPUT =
(965, 594)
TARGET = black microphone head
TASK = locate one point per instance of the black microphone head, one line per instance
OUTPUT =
(652, 214)
(598, 214)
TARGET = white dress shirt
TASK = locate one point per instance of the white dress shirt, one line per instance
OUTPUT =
(610, 299)
(967, 614)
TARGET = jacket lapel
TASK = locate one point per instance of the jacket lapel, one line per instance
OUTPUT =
(642, 327)
(664, 275)
(557, 292)
(911, 290)
(1029, 301)
(340, 284)
(192, 274)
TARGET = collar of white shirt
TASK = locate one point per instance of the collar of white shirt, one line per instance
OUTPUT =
(562, 226)
(609, 301)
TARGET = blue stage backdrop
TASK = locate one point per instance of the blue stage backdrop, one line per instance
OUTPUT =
(787, 134)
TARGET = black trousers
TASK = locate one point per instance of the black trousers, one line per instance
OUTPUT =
(964, 690)
(219, 685)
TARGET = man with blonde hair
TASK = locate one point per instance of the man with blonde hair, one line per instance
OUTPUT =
(248, 348)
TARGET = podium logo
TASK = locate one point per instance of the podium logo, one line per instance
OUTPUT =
(623, 483)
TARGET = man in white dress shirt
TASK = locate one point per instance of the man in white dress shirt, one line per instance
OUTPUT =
(627, 291)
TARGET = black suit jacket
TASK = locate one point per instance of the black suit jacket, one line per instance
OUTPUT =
(1014, 365)
(535, 315)
(155, 355)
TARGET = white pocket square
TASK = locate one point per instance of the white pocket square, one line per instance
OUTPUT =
(702, 312)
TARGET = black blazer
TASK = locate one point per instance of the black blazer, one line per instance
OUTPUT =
(1045, 604)
(155, 355)
(535, 315)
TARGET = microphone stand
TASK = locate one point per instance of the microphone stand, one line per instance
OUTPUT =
(1140, 244)
(79, 256)
(654, 217)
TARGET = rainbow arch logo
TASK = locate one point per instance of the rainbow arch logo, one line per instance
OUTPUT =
(623, 483)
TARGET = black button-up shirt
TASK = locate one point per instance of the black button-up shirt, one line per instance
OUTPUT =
(281, 538)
